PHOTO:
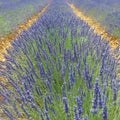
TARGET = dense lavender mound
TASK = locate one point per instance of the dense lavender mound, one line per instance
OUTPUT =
(59, 70)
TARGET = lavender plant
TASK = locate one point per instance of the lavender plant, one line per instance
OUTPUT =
(59, 69)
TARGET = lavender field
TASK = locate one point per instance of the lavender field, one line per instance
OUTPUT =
(59, 69)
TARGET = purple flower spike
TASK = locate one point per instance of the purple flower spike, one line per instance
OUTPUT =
(45, 104)
(63, 90)
(47, 115)
(104, 113)
(79, 105)
(66, 108)
(76, 115)
(8, 113)
(42, 71)
(114, 93)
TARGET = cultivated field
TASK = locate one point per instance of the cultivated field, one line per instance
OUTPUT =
(61, 62)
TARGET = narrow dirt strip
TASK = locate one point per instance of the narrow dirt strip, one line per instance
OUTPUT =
(6, 39)
(98, 29)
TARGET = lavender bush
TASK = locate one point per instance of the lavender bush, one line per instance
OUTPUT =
(60, 70)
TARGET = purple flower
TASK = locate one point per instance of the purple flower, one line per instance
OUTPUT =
(104, 113)
(64, 90)
(38, 90)
(42, 71)
(95, 98)
(114, 96)
(45, 104)
(79, 105)
(8, 113)
(48, 84)
(63, 70)
(47, 115)
(100, 101)
(71, 76)
(65, 103)
(78, 69)
(76, 115)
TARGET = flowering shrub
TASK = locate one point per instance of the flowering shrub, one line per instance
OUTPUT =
(59, 70)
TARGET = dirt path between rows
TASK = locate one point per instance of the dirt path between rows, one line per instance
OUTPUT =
(99, 30)
(5, 43)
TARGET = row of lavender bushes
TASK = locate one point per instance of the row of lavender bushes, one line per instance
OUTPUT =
(106, 12)
(60, 70)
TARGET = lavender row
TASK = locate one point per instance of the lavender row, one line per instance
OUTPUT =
(106, 12)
